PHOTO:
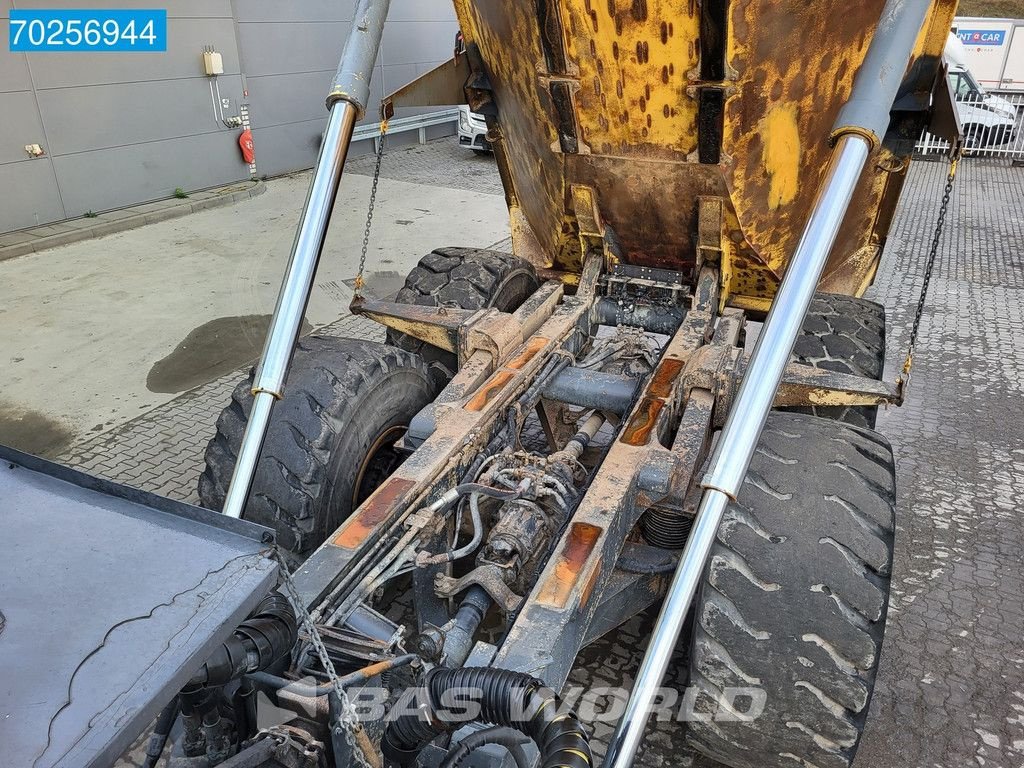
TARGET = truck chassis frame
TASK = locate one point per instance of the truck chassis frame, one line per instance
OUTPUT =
(655, 459)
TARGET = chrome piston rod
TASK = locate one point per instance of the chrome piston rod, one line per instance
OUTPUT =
(859, 128)
(347, 103)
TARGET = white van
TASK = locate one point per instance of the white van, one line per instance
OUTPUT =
(988, 120)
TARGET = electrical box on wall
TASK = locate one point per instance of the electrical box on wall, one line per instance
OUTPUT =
(213, 63)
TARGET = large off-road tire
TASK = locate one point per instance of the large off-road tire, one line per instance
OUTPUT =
(467, 278)
(844, 334)
(330, 440)
(794, 598)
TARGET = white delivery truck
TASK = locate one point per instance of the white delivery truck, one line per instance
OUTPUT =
(988, 119)
(994, 50)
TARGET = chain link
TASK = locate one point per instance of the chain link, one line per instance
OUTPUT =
(954, 162)
(348, 720)
(360, 282)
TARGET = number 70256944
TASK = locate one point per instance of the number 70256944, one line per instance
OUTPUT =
(39, 30)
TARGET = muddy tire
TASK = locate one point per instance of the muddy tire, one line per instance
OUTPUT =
(330, 439)
(794, 598)
(847, 335)
(467, 278)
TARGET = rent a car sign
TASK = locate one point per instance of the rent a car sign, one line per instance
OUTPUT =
(982, 36)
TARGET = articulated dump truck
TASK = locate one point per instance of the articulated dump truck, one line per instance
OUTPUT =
(403, 546)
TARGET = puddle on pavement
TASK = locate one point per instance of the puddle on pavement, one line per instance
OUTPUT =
(33, 432)
(211, 350)
(380, 285)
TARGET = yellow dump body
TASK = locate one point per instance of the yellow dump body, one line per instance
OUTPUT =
(668, 131)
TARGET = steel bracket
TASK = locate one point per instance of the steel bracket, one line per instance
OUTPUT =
(462, 331)
(442, 86)
(804, 385)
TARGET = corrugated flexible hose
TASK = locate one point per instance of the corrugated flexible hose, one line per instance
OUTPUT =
(505, 698)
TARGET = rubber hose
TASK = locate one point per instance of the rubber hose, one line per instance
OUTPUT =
(635, 565)
(267, 635)
(509, 738)
(486, 490)
(502, 697)
(162, 729)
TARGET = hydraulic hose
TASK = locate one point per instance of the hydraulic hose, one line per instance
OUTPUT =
(161, 731)
(509, 738)
(267, 635)
(502, 697)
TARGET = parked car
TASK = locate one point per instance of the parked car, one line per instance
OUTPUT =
(473, 131)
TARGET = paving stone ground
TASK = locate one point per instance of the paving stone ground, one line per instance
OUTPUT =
(951, 687)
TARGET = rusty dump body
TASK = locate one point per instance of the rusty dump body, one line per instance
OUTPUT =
(673, 132)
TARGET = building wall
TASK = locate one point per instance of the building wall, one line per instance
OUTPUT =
(290, 53)
(120, 129)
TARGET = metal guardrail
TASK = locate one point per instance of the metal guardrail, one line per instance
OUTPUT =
(403, 124)
(988, 132)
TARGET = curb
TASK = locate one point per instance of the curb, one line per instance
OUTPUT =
(124, 219)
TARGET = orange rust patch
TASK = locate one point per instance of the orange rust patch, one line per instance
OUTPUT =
(638, 431)
(376, 669)
(667, 373)
(535, 345)
(575, 554)
(372, 513)
(489, 390)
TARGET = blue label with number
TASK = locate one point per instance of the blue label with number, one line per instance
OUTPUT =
(88, 30)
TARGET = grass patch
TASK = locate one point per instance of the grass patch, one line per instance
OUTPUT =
(1005, 9)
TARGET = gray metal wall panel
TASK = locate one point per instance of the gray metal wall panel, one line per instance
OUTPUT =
(184, 58)
(13, 67)
(175, 8)
(263, 11)
(20, 125)
(422, 10)
(150, 171)
(101, 116)
(278, 99)
(288, 147)
(291, 46)
(418, 42)
(29, 195)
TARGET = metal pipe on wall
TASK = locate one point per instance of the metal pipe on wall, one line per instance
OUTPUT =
(857, 132)
(347, 103)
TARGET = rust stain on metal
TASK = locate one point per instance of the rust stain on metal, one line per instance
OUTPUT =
(372, 513)
(665, 377)
(622, 85)
(643, 421)
(489, 390)
(535, 345)
(571, 560)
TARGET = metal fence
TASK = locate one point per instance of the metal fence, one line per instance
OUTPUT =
(993, 127)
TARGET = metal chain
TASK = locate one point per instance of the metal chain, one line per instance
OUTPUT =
(954, 162)
(360, 282)
(348, 720)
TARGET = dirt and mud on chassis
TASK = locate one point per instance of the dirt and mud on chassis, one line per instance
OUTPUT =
(542, 496)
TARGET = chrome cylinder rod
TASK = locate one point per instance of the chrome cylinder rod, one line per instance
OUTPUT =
(347, 103)
(859, 130)
(741, 432)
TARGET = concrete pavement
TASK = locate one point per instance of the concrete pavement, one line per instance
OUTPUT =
(101, 330)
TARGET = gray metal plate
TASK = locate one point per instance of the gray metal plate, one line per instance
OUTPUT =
(111, 599)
